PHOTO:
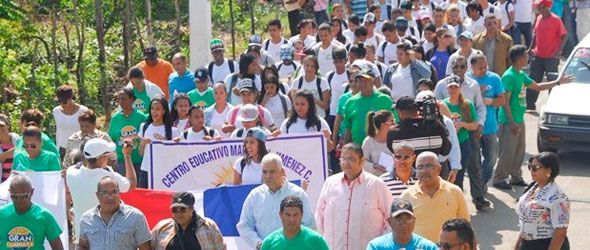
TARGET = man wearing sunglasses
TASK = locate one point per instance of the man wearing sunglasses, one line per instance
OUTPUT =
(26, 225)
(186, 229)
(457, 234)
(435, 199)
(402, 175)
(112, 224)
(402, 221)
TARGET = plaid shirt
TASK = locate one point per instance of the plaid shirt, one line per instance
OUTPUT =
(77, 139)
(207, 233)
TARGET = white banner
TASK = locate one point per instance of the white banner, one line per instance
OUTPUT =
(49, 193)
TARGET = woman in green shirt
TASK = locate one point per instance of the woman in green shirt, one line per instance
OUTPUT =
(34, 158)
(464, 117)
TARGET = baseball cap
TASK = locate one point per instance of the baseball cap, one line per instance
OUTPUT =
(201, 74)
(423, 14)
(339, 53)
(401, 22)
(454, 81)
(247, 113)
(467, 35)
(406, 103)
(96, 147)
(182, 199)
(369, 17)
(246, 84)
(216, 44)
(257, 133)
(406, 5)
(150, 52)
(401, 206)
(365, 71)
(546, 3)
(286, 52)
(255, 40)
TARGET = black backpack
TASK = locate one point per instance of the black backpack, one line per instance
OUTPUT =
(318, 83)
(208, 131)
(210, 68)
(267, 43)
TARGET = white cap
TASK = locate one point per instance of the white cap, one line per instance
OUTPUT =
(96, 147)
(247, 113)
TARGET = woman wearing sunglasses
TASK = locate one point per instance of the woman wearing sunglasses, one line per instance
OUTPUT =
(34, 158)
(544, 209)
(186, 229)
(442, 51)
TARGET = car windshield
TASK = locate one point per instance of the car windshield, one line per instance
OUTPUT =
(579, 65)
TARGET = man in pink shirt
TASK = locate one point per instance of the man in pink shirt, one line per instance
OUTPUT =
(353, 205)
(550, 36)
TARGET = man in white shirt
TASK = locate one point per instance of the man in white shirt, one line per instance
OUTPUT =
(286, 66)
(336, 80)
(372, 37)
(387, 50)
(305, 33)
(323, 49)
(220, 67)
(523, 19)
(97, 152)
(273, 44)
(466, 49)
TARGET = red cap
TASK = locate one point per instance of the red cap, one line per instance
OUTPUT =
(546, 3)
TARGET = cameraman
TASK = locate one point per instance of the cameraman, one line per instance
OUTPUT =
(422, 134)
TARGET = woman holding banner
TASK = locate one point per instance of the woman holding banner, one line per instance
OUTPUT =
(247, 169)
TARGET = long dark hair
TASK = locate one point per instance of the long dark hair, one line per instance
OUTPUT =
(312, 118)
(262, 151)
(339, 37)
(245, 61)
(269, 79)
(174, 112)
(167, 116)
(375, 120)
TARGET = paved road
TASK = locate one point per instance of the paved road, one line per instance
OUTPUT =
(497, 228)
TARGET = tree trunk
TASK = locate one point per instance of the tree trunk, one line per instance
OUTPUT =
(69, 58)
(102, 61)
(54, 47)
(177, 9)
(126, 35)
(81, 36)
(150, 31)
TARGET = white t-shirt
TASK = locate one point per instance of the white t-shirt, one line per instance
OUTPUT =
(401, 83)
(348, 34)
(153, 130)
(267, 117)
(337, 89)
(252, 173)
(503, 14)
(216, 120)
(221, 72)
(389, 54)
(298, 126)
(82, 184)
(427, 46)
(236, 99)
(286, 70)
(379, 26)
(273, 49)
(475, 27)
(375, 40)
(312, 87)
(491, 10)
(66, 125)
(455, 56)
(192, 136)
(182, 124)
(523, 11)
(308, 42)
(275, 107)
(460, 4)
(325, 60)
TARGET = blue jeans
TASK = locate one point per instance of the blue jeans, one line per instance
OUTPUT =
(489, 151)
(568, 22)
(524, 29)
(466, 149)
(321, 17)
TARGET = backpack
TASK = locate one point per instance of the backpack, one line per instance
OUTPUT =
(505, 6)
(234, 114)
(318, 83)
(233, 81)
(267, 43)
(230, 62)
(208, 131)
(383, 48)
(281, 65)
(284, 104)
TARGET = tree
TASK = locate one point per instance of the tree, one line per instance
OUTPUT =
(9, 10)
(100, 33)
(81, 37)
(150, 30)
(177, 11)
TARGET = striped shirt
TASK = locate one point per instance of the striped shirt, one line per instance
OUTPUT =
(395, 185)
(359, 7)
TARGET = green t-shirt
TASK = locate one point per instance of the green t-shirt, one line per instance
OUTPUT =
(205, 100)
(123, 128)
(142, 101)
(515, 83)
(48, 145)
(306, 239)
(28, 230)
(356, 110)
(463, 133)
(45, 161)
(340, 110)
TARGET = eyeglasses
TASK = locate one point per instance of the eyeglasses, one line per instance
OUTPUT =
(403, 157)
(181, 210)
(32, 145)
(424, 167)
(347, 159)
(21, 196)
(447, 245)
(398, 221)
(459, 66)
(534, 168)
(447, 36)
(105, 193)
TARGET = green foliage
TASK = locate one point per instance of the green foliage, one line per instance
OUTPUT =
(9, 10)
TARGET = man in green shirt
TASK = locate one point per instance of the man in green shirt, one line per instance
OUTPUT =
(293, 235)
(26, 225)
(202, 95)
(359, 105)
(125, 126)
(34, 158)
(511, 118)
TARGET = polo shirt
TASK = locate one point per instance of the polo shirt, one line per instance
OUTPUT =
(431, 212)
(491, 85)
(180, 84)
(395, 185)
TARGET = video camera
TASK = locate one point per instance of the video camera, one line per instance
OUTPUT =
(428, 108)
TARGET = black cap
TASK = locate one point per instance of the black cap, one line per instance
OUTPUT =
(401, 206)
(406, 103)
(201, 74)
(182, 199)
